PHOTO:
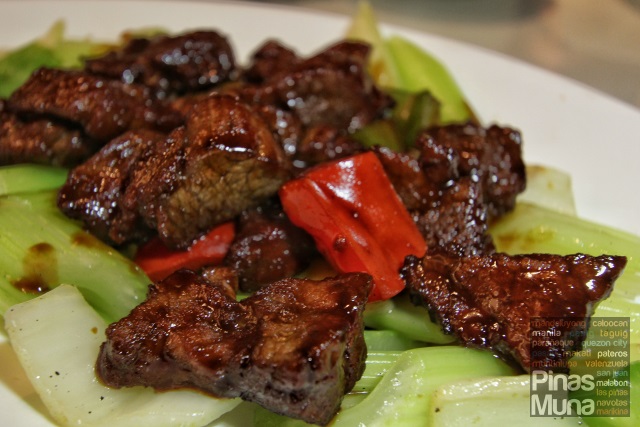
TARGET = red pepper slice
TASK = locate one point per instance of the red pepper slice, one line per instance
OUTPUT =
(158, 261)
(356, 218)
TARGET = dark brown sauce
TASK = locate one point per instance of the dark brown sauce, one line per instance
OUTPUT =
(40, 269)
(85, 239)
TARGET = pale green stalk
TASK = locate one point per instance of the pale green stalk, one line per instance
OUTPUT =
(40, 248)
(27, 178)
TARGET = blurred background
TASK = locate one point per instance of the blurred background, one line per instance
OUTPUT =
(596, 42)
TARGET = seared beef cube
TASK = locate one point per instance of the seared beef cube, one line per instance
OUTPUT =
(41, 141)
(103, 108)
(449, 211)
(323, 143)
(268, 247)
(170, 64)
(455, 181)
(490, 156)
(184, 103)
(224, 161)
(295, 347)
(407, 175)
(269, 59)
(490, 301)
(457, 223)
(331, 88)
(93, 190)
(317, 102)
(285, 127)
(224, 277)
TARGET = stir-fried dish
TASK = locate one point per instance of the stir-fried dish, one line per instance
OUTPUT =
(230, 184)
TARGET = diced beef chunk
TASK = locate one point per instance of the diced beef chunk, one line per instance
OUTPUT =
(490, 156)
(409, 179)
(457, 224)
(103, 108)
(223, 161)
(323, 143)
(41, 141)
(170, 64)
(455, 181)
(333, 88)
(490, 301)
(285, 126)
(268, 247)
(225, 278)
(268, 60)
(295, 347)
(93, 190)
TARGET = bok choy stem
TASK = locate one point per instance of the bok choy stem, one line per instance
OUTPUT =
(27, 178)
(403, 395)
(412, 322)
(41, 248)
(487, 402)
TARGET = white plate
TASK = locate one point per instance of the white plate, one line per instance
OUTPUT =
(565, 125)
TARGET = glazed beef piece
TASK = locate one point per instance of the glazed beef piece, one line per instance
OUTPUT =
(490, 301)
(457, 224)
(268, 247)
(292, 347)
(224, 160)
(455, 180)
(331, 88)
(268, 60)
(323, 143)
(448, 209)
(491, 156)
(41, 141)
(409, 179)
(314, 104)
(103, 108)
(170, 64)
(225, 278)
(285, 126)
(93, 190)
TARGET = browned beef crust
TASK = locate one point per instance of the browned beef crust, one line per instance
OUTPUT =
(455, 181)
(223, 161)
(103, 108)
(489, 301)
(41, 141)
(170, 64)
(312, 105)
(93, 190)
(458, 223)
(491, 157)
(295, 347)
(268, 247)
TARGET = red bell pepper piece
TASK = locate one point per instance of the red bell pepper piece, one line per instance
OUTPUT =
(158, 261)
(356, 218)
